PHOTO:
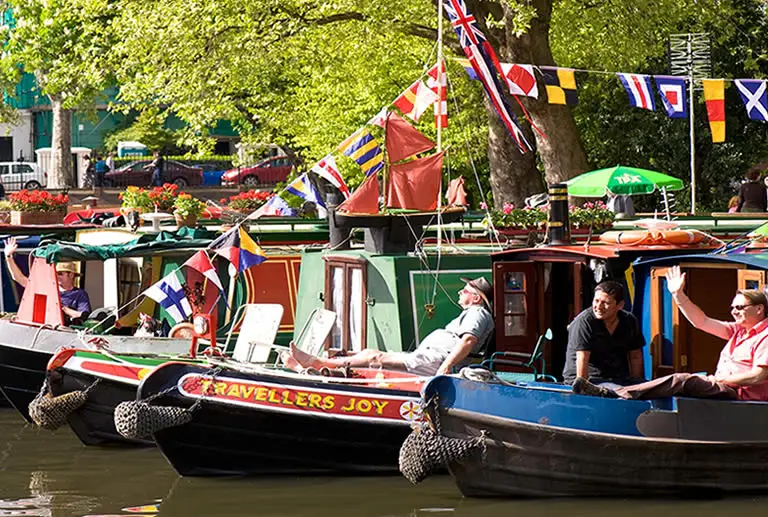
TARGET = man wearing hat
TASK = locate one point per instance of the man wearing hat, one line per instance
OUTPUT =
(75, 303)
(604, 341)
(440, 351)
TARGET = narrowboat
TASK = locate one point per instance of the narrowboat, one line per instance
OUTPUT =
(552, 442)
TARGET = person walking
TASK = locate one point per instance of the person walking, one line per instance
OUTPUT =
(157, 166)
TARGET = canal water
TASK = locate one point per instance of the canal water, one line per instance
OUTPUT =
(51, 474)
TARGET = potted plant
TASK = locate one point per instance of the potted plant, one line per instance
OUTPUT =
(37, 207)
(248, 201)
(135, 199)
(187, 209)
(592, 216)
(5, 211)
(162, 198)
(513, 220)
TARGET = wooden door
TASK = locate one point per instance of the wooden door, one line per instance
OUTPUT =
(516, 298)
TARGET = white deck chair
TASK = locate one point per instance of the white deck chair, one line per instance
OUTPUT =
(257, 332)
(313, 334)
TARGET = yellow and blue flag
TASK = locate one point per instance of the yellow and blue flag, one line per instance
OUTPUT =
(365, 150)
(239, 249)
(303, 188)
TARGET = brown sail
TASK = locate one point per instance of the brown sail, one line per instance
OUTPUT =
(415, 184)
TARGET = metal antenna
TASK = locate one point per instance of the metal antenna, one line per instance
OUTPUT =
(690, 55)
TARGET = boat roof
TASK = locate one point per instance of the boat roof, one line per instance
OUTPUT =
(597, 250)
(757, 260)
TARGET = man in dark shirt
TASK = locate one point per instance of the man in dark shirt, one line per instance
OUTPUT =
(157, 166)
(604, 341)
(752, 196)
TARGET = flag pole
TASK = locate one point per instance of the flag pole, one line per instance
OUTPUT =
(439, 117)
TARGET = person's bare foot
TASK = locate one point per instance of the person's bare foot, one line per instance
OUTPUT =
(289, 361)
(302, 358)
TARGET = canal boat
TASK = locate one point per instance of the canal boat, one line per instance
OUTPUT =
(114, 275)
(552, 442)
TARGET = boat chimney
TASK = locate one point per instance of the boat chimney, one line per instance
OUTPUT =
(558, 225)
(338, 237)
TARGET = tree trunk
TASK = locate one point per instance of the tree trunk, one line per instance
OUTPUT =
(514, 175)
(560, 149)
(61, 174)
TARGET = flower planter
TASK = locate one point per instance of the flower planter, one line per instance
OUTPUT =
(190, 220)
(25, 218)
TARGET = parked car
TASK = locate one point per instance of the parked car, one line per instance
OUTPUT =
(22, 175)
(266, 172)
(135, 174)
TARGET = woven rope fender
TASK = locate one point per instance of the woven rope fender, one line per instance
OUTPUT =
(137, 419)
(424, 452)
(51, 412)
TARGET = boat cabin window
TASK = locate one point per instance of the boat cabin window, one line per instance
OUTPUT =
(134, 275)
(345, 294)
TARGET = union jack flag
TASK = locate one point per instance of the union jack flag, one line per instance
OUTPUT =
(483, 59)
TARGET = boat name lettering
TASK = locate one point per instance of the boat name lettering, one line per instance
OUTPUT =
(341, 403)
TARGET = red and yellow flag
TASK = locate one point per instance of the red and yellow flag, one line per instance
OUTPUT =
(714, 95)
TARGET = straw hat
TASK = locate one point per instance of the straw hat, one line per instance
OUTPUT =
(67, 266)
(481, 287)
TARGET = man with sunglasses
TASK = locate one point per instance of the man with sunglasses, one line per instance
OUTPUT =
(437, 354)
(742, 371)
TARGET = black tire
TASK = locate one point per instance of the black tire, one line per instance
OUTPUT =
(180, 182)
(251, 181)
(32, 185)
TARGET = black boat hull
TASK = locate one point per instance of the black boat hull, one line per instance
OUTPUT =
(22, 372)
(94, 423)
(521, 459)
(242, 440)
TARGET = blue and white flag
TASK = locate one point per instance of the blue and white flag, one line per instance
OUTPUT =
(672, 91)
(638, 88)
(275, 206)
(303, 188)
(170, 295)
(752, 93)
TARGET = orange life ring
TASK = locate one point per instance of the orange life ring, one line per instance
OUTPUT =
(654, 237)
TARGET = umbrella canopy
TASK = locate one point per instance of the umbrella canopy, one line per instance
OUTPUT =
(620, 180)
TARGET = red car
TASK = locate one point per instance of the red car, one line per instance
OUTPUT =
(135, 174)
(266, 172)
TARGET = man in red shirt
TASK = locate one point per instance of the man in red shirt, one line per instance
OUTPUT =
(742, 371)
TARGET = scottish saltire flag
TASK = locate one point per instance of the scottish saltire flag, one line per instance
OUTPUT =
(672, 91)
(303, 188)
(638, 88)
(238, 248)
(169, 294)
(365, 150)
(327, 169)
(483, 59)
(752, 93)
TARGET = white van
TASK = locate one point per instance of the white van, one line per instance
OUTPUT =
(22, 175)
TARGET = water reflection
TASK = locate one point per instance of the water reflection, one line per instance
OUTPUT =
(46, 474)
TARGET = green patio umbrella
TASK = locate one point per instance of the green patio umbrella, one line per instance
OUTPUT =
(620, 180)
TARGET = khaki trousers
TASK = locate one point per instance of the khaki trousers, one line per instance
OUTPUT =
(685, 384)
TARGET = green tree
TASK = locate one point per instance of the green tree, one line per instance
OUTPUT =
(65, 44)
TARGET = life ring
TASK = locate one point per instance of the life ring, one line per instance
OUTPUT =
(654, 237)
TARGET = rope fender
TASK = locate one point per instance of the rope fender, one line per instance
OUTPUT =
(425, 452)
(50, 412)
(138, 420)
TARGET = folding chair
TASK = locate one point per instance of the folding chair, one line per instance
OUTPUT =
(535, 362)
(257, 332)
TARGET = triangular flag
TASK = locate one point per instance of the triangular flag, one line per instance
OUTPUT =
(327, 169)
(414, 101)
(364, 200)
(403, 140)
(201, 263)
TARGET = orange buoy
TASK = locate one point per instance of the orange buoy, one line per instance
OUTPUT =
(654, 237)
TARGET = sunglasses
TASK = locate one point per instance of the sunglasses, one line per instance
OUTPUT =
(741, 307)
